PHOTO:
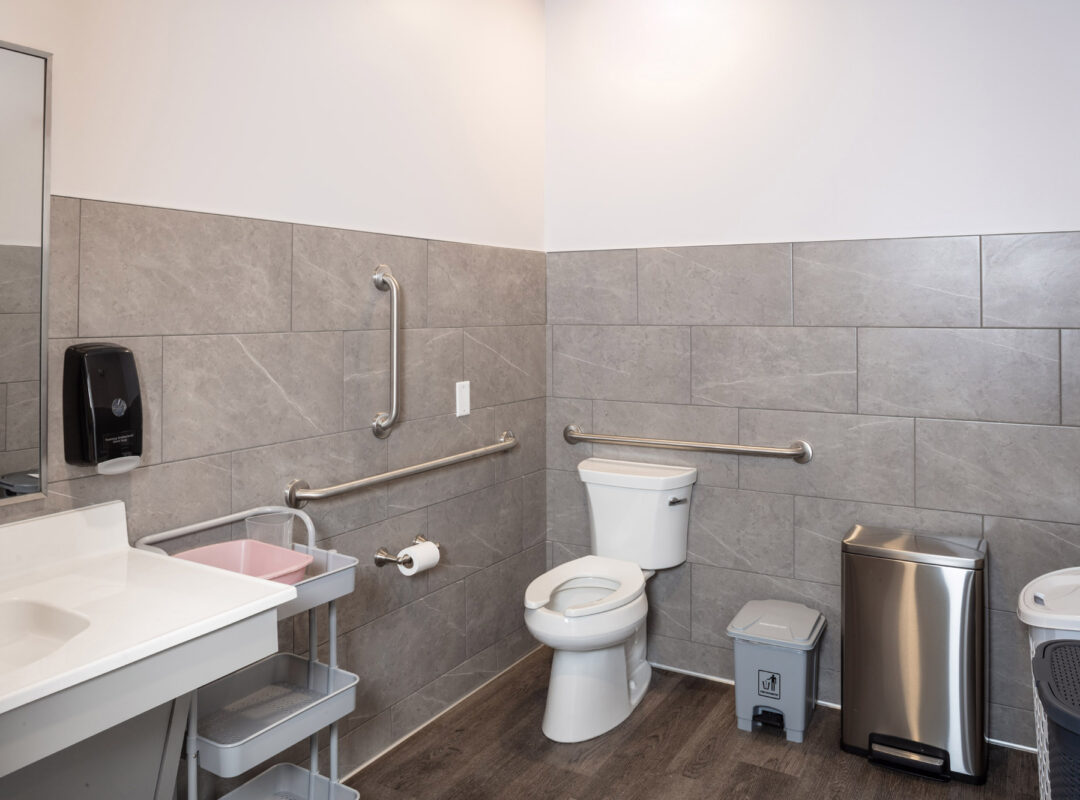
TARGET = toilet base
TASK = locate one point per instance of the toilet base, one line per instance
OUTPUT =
(592, 691)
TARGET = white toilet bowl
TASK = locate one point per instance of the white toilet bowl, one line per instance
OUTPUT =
(591, 611)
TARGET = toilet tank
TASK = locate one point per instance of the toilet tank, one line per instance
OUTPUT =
(638, 512)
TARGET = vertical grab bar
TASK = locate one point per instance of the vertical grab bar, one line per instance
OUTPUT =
(384, 280)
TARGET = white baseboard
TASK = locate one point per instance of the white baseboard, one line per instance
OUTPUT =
(825, 703)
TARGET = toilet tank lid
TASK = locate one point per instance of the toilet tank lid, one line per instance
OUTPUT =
(635, 474)
(778, 622)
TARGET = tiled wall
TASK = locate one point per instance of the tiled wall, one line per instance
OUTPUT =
(263, 351)
(20, 305)
(937, 380)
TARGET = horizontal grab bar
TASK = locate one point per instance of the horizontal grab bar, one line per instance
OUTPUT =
(298, 492)
(800, 451)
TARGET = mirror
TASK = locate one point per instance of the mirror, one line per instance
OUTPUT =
(24, 245)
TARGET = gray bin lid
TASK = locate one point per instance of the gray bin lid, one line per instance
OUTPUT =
(779, 623)
(966, 552)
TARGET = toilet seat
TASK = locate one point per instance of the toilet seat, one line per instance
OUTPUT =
(628, 577)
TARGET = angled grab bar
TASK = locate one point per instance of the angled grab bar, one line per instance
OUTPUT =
(384, 281)
(298, 492)
(800, 451)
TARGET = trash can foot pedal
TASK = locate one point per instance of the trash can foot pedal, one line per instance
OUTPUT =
(774, 719)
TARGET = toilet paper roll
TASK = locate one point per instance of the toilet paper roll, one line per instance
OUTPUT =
(424, 556)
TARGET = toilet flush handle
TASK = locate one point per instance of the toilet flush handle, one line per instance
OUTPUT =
(677, 501)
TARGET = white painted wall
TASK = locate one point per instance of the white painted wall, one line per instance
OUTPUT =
(22, 119)
(416, 117)
(714, 121)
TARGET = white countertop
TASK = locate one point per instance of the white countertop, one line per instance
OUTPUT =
(138, 603)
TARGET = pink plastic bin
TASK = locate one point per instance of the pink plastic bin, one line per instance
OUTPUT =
(252, 557)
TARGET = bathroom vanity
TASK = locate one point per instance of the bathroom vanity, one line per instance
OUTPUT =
(101, 646)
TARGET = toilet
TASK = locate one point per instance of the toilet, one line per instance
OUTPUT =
(591, 611)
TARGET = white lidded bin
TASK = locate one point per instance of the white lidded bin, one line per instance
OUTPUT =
(1050, 607)
(776, 665)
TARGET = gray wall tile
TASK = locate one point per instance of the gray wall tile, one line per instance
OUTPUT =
(419, 707)
(1010, 661)
(615, 362)
(534, 509)
(1070, 377)
(504, 364)
(515, 647)
(669, 596)
(331, 279)
(260, 476)
(561, 412)
(476, 285)
(683, 655)
(364, 742)
(1028, 471)
(379, 590)
(908, 282)
(1022, 550)
(527, 422)
(720, 593)
(149, 493)
(1012, 725)
(561, 553)
(821, 525)
(495, 596)
(64, 267)
(430, 362)
(743, 530)
(428, 640)
(660, 421)
(20, 279)
(567, 508)
(803, 369)
(229, 392)
(20, 343)
(1002, 375)
(742, 284)
(1031, 280)
(416, 441)
(592, 287)
(155, 271)
(23, 407)
(856, 457)
(475, 531)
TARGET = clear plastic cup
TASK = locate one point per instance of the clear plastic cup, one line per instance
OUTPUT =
(271, 528)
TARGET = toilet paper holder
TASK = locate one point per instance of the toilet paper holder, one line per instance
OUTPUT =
(384, 556)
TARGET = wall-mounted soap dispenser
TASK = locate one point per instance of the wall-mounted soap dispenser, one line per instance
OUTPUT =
(102, 408)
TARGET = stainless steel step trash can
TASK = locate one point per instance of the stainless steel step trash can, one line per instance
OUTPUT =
(914, 651)
(1056, 668)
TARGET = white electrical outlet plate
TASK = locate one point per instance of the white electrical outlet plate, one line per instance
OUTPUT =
(462, 398)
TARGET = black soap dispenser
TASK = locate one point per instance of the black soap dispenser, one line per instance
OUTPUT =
(102, 408)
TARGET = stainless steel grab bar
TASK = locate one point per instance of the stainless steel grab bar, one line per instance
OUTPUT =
(384, 280)
(800, 451)
(298, 492)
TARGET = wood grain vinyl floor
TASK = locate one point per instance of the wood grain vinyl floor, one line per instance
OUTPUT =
(681, 743)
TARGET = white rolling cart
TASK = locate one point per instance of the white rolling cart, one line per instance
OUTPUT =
(251, 715)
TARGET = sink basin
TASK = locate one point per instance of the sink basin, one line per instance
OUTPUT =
(30, 630)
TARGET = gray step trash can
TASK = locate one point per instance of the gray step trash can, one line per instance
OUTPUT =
(776, 665)
(1056, 668)
(914, 652)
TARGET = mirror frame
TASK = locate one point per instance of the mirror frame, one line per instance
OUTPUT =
(43, 367)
